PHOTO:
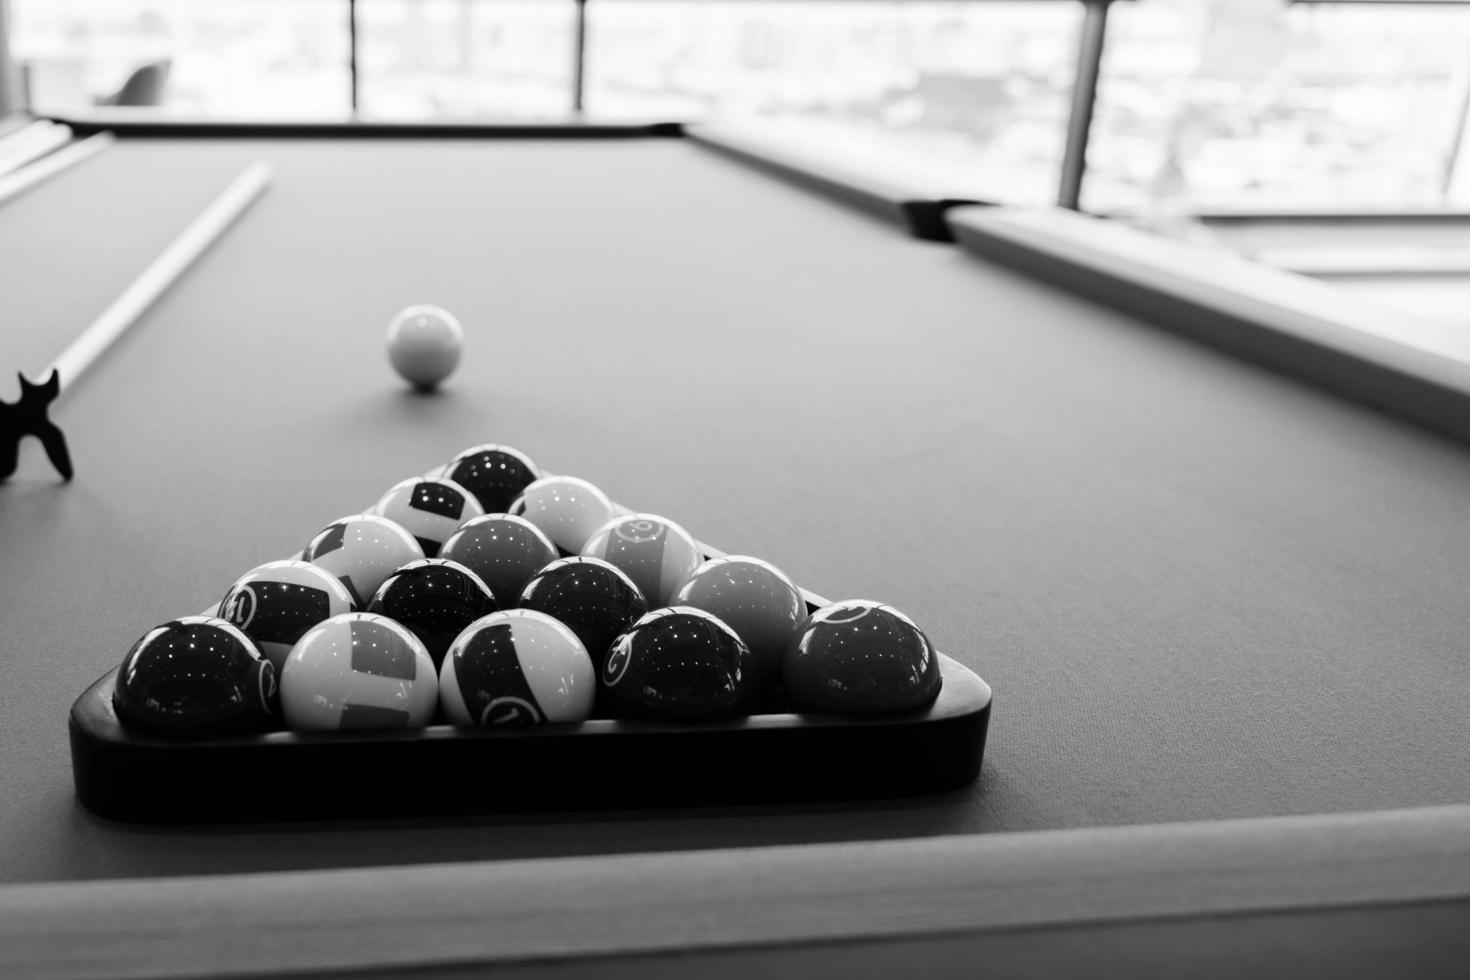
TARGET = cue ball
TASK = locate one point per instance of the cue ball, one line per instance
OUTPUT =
(755, 599)
(859, 657)
(495, 474)
(430, 510)
(679, 663)
(658, 555)
(436, 600)
(505, 551)
(424, 344)
(196, 675)
(516, 668)
(358, 671)
(597, 600)
(567, 508)
(276, 603)
(362, 551)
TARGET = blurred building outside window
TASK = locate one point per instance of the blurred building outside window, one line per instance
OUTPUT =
(969, 99)
(1259, 104)
(465, 59)
(1203, 104)
(228, 59)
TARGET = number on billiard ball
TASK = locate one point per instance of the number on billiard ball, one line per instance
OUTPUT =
(276, 603)
(516, 668)
(657, 554)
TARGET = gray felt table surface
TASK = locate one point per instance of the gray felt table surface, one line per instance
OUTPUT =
(1198, 590)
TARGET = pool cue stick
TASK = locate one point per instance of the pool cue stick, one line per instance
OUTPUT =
(12, 185)
(18, 139)
(15, 154)
(11, 163)
(16, 128)
(31, 145)
(155, 280)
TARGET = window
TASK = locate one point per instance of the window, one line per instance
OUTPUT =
(464, 59)
(1211, 104)
(967, 99)
(233, 59)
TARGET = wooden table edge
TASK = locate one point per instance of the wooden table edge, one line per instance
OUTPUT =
(424, 917)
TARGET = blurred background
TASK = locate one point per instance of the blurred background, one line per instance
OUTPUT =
(1201, 105)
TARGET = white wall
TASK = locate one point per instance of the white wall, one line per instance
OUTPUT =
(9, 80)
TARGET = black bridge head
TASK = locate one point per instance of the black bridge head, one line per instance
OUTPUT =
(27, 417)
(46, 390)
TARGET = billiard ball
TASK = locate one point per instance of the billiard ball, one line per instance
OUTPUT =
(436, 599)
(755, 599)
(568, 509)
(596, 599)
(679, 663)
(362, 551)
(859, 657)
(505, 551)
(358, 671)
(276, 603)
(424, 345)
(430, 510)
(515, 668)
(657, 554)
(195, 675)
(496, 475)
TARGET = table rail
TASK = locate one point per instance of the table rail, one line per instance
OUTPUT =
(1390, 884)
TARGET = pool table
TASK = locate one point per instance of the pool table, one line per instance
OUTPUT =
(1222, 602)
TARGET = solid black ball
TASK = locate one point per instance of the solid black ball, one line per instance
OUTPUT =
(594, 597)
(197, 675)
(435, 599)
(496, 475)
(860, 657)
(678, 663)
